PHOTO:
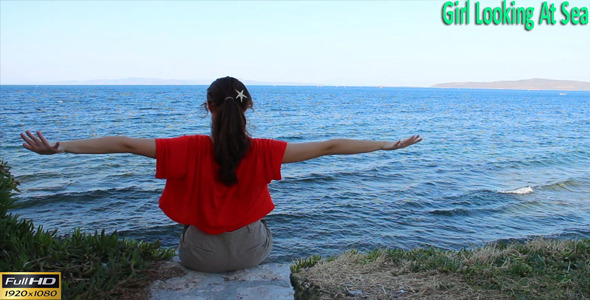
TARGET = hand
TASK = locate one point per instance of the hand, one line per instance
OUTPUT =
(40, 145)
(403, 143)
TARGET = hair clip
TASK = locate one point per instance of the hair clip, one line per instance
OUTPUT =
(241, 95)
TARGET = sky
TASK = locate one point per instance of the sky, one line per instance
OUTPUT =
(359, 43)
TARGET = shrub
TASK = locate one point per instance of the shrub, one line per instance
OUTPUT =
(91, 265)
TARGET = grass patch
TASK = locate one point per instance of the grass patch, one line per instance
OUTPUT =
(534, 269)
(93, 266)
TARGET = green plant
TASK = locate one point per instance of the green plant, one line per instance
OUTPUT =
(91, 265)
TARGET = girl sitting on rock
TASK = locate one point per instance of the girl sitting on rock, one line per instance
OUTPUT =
(217, 185)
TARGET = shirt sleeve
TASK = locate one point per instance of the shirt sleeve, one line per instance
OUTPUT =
(171, 157)
(274, 152)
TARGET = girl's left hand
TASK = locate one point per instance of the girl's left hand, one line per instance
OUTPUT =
(403, 143)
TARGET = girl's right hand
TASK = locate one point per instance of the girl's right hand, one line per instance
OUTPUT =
(39, 144)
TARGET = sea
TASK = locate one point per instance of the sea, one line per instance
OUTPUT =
(494, 165)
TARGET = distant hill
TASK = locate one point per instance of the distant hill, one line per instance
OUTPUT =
(527, 84)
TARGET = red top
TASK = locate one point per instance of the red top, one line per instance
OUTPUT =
(193, 195)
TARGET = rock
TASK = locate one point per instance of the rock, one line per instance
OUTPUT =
(266, 281)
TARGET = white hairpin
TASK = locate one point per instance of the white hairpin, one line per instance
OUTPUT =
(241, 95)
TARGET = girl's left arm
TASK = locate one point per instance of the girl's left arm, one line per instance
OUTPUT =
(110, 144)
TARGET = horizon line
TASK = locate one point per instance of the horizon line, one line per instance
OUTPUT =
(533, 84)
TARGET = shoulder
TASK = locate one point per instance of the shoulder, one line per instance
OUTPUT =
(184, 140)
(269, 147)
(187, 138)
(267, 143)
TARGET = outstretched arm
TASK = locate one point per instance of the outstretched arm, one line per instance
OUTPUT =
(110, 144)
(296, 152)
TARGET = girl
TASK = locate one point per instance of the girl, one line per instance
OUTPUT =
(217, 186)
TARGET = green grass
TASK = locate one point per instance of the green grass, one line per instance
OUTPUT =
(92, 266)
(533, 269)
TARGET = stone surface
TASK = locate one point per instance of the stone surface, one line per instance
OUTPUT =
(266, 281)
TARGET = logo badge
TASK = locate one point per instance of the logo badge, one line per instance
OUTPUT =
(37, 285)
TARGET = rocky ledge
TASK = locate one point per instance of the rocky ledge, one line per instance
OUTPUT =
(266, 281)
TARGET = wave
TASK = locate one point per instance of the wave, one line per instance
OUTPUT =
(520, 191)
(311, 178)
(568, 184)
(293, 137)
(452, 212)
(368, 171)
(574, 157)
(88, 196)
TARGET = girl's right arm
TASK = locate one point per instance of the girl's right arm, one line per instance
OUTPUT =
(111, 144)
(296, 152)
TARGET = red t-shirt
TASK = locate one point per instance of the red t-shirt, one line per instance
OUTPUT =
(194, 196)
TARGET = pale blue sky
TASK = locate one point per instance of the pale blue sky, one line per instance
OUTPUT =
(391, 43)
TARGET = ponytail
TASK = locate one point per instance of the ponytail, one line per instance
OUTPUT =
(228, 99)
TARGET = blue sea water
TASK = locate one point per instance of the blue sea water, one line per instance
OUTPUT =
(494, 164)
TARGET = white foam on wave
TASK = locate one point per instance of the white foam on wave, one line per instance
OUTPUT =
(521, 191)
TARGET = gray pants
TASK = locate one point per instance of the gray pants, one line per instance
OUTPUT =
(234, 250)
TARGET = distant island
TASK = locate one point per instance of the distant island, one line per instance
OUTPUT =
(527, 84)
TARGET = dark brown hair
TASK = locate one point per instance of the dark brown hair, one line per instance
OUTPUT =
(228, 100)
